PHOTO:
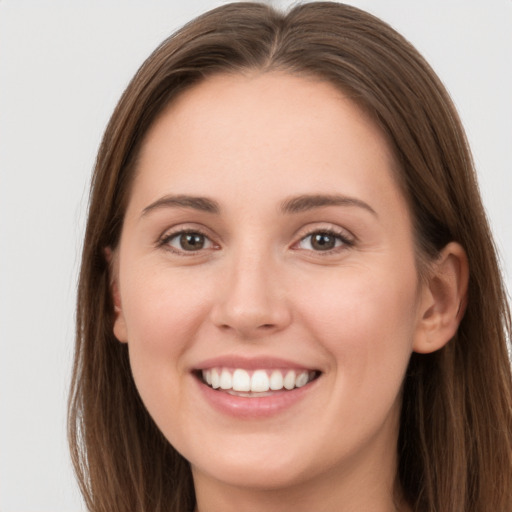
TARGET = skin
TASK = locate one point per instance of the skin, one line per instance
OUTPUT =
(258, 287)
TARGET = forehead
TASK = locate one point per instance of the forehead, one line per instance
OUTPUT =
(259, 103)
(263, 133)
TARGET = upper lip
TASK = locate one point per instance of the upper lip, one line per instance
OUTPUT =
(251, 363)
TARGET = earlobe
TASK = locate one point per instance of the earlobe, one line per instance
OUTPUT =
(443, 301)
(119, 325)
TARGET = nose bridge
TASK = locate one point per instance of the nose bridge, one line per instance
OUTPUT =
(253, 299)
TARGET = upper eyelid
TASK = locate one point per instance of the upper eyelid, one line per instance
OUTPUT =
(345, 241)
(325, 228)
(164, 243)
(186, 228)
(174, 234)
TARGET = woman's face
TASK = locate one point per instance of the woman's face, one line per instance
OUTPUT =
(268, 250)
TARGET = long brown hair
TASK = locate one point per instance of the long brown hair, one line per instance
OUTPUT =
(455, 440)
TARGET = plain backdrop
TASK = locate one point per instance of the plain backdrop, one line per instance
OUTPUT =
(63, 65)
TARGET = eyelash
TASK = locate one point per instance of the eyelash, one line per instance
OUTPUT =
(339, 236)
(346, 242)
(168, 237)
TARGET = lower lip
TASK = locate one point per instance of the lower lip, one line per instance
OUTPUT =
(254, 407)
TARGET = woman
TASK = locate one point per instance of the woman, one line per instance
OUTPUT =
(289, 295)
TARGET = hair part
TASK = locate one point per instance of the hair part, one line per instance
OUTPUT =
(455, 441)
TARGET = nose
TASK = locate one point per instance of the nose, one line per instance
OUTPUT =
(252, 300)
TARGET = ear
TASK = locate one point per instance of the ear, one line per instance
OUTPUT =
(443, 300)
(119, 326)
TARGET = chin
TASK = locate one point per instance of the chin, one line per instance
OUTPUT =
(256, 475)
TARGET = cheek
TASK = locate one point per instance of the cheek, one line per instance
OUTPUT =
(161, 308)
(162, 320)
(365, 320)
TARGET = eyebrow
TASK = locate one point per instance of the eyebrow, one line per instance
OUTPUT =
(292, 205)
(183, 201)
(309, 202)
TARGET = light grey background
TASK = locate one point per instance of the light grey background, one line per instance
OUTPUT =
(63, 66)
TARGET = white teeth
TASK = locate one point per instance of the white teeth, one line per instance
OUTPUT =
(289, 380)
(241, 381)
(276, 380)
(302, 379)
(226, 380)
(215, 379)
(259, 381)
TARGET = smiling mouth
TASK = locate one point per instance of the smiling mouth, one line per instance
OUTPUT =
(257, 383)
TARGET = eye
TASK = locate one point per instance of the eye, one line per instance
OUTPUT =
(323, 241)
(187, 241)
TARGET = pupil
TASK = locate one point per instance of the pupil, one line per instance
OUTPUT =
(192, 241)
(323, 241)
